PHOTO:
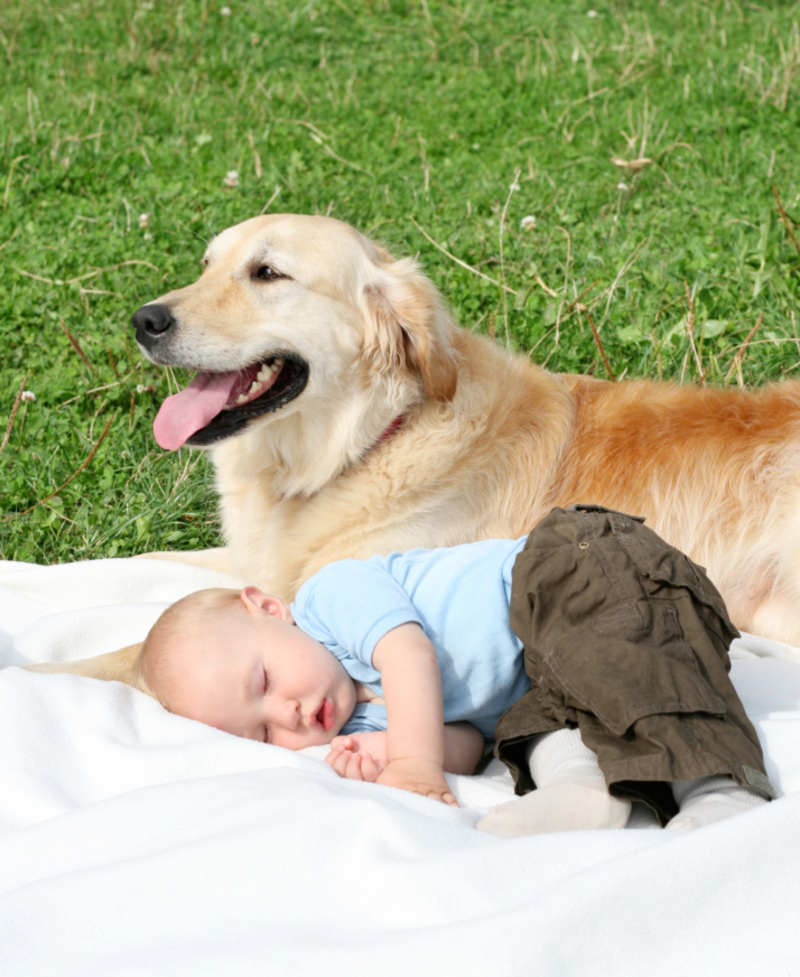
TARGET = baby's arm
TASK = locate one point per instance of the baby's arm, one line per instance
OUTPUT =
(362, 756)
(412, 691)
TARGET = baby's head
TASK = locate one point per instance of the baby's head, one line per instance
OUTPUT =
(237, 661)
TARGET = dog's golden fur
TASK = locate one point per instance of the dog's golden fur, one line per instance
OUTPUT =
(489, 442)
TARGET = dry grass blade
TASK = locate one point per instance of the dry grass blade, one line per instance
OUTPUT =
(36, 278)
(303, 122)
(597, 342)
(89, 274)
(514, 186)
(565, 232)
(737, 360)
(270, 202)
(458, 261)
(14, 409)
(256, 156)
(73, 476)
(76, 345)
(17, 159)
(631, 165)
(785, 218)
(339, 159)
(6, 243)
(322, 140)
(10, 44)
(625, 266)
(690, 332)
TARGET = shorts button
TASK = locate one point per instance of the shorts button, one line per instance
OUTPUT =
(583, 546)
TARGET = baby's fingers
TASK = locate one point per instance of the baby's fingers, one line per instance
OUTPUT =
(353, 769)
(446, 797)
(333, 756)
(340, 760)
(370, 771)
(355, 766)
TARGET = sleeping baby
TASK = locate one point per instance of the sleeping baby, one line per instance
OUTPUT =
(594, 654)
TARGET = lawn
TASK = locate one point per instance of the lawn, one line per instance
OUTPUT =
(627, 169)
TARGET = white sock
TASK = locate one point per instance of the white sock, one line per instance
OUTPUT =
(570, 795)
(709, 799)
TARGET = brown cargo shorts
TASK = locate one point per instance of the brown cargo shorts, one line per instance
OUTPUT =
(627, 640)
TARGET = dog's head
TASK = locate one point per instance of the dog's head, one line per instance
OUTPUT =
(291, 313)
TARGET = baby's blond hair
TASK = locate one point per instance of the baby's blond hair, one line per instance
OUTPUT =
(171, 638)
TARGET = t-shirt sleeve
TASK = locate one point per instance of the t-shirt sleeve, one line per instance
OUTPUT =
(353, 604)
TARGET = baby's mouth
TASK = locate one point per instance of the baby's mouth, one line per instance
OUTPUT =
(322, 718)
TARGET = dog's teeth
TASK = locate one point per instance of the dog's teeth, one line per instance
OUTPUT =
(241, 399)
(267, 369)
(254, 386)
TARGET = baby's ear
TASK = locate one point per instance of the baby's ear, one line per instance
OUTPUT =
(258, 603)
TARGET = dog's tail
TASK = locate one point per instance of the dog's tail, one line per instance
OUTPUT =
(115, 666)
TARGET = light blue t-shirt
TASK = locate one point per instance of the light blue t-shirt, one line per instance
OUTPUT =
(459, 595)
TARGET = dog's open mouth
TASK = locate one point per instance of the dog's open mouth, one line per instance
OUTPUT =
(216, 405)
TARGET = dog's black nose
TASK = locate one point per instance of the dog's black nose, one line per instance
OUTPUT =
(152, 322)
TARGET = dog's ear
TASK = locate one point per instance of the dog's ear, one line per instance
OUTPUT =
(115, 666)
(407, 326)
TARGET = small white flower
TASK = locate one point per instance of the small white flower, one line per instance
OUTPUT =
(144, 221)
(622, 186)
(140, 388)
(225, 11)
(28, 395)
(591, 13)
(231, 179)
(528, 223)
(514, 187)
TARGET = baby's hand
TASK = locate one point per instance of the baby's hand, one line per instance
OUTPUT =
(350, 765)
(376, 743)
(420, 777)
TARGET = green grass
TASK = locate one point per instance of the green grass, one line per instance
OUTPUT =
(399, 117)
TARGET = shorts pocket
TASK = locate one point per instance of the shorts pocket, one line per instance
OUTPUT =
(629, 662)
(663, 564)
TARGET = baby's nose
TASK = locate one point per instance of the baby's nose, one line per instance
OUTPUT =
(291, 713)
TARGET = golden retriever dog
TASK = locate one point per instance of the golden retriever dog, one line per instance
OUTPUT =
(347, 415)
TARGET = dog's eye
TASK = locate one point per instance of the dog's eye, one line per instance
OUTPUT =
(266, 273)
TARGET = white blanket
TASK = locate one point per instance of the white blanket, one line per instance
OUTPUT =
(134, 842)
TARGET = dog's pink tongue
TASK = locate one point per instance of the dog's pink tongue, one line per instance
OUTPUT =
(186, 412)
